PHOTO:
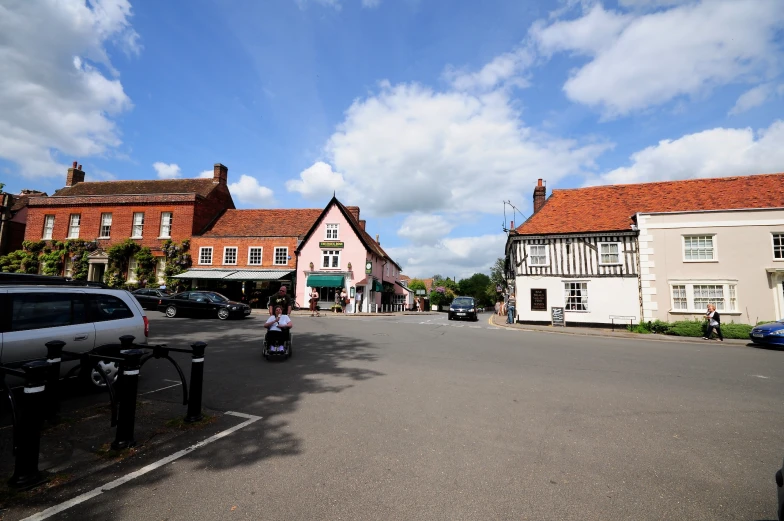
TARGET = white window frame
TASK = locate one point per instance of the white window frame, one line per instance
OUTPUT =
(72, 226)
(330, 256)
(584, 298)
(685, 297)
(729, 303)
(139, 225)
(529, 254)
(332, 227)
(132, 265)
(236, 255)
(261, 255)
(105, 217)
(48, 227)
(275, 256)
(714, 243)
(620, 253)
(167, 225)
(202, 251)
(780, 246)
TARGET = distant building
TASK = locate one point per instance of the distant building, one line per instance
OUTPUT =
(13, 219)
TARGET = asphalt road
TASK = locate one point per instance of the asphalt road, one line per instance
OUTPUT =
(418, 418)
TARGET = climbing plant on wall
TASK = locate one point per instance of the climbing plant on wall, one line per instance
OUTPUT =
(119, 256)
(178, 259)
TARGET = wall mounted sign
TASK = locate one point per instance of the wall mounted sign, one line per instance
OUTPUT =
(369, 267)
(538, 299)
(558, 317)
(352, 292)
(331, 244)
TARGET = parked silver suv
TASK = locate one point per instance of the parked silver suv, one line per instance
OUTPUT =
(84, 317)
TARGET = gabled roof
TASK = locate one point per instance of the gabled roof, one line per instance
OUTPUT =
(264, 223)
(201, 187)
(610, 208)
(350, 213)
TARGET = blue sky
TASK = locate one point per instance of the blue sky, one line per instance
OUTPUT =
(428, 114)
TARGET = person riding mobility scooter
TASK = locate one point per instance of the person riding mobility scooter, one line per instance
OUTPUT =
(277, 341)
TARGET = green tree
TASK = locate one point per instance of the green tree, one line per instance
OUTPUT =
(416, 284)
(498, 272)
(475, 286)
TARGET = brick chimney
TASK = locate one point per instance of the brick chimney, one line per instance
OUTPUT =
(220, 174)
(362, 223)
(540, 194)
(75, 175)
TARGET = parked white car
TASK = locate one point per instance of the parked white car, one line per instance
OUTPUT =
(84, 317)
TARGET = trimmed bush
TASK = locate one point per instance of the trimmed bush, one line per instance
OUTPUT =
(690, 328)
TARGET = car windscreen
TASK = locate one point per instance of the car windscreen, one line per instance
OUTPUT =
(217, 297)
(463, 302)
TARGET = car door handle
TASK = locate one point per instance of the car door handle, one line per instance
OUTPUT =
(81, 337)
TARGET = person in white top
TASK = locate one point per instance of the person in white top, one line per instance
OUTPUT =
(278, 326)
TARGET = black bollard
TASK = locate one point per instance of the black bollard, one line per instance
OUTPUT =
(128, 385)
(31, 415)
(197, 379)
(54, 353)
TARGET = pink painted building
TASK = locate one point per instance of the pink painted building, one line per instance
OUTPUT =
(337, 253)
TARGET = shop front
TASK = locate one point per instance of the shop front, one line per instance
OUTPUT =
(253, 287)
(328, 286)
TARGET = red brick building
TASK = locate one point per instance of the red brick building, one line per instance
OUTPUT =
(149, 212)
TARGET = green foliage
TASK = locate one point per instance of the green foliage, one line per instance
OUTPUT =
(33, 249)
(416, 284)
(12, 263)
(79, 250)
(476, 286)
(53, 258)
(119, 256)
(178, 259)
(690, 328)
(145, 267)
(497, 276)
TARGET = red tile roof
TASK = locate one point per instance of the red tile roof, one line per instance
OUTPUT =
(610, 208)
(264, 223)
(142, 187)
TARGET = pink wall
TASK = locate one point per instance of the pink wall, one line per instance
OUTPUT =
(353, 251)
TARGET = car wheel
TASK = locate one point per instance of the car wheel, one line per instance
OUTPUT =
(93, 375)
(171, 311)
(223, 313)
(449, 317)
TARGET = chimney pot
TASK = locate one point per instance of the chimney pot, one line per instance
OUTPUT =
(511, 225)
(74, 164)
(75, 175)
(540, 195)
(377, 239)
(80, 167)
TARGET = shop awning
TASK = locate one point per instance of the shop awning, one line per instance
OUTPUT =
(377, 286)
(325, 281)
(233, 274)
(404, 287)
(257, 275)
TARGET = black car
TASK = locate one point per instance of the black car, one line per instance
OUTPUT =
(463, 307)
(204, 304)
(149, 298)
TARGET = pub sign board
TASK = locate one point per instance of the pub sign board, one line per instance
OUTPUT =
(538, 299)
(331, 244)
(558, 317)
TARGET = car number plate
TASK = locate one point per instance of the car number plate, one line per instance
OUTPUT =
(758, 335)
(460, 314)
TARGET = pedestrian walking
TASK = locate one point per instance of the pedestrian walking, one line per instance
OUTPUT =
(344, 300)
(498, 307)
(280, 299)
(510, 309)
(714, 324)
(358, 302)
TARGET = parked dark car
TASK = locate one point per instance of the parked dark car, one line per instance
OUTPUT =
(768, 334)
(203, 304)
(149, 297)
(463, 307)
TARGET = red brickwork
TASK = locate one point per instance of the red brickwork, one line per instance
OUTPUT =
(209, 208)
(243, 243)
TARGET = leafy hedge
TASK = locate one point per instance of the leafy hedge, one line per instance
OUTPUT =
(692, 328)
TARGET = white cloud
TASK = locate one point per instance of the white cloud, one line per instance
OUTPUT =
(54, 97)
(371, 3)
(316, 182)
(167, 170)
(207, 174)
(755, 97)
(408, 148)
(712, 153)
(248, 190)
(459, 257)
(646, 59)
(504, 68)
(424, 229)
(653, 3)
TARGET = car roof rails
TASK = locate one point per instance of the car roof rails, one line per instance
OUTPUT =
(28, 279)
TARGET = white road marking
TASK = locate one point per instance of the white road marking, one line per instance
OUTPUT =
(49, 512)
(161, 389)
(760, 376)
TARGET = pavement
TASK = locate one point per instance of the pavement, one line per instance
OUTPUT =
(417, 417)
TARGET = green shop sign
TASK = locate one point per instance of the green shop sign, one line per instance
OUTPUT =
(330, 244)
